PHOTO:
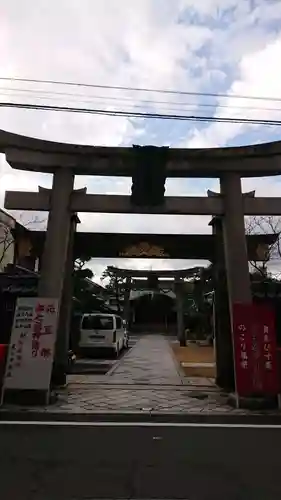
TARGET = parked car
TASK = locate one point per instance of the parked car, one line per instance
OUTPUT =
(100, 330)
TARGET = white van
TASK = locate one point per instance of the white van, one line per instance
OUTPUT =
(103, 330)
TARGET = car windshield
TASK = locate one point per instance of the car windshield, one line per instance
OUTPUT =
(97, 322)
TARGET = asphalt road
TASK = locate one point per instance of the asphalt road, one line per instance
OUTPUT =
(98, 461)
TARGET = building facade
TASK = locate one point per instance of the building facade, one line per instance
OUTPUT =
(7, 242)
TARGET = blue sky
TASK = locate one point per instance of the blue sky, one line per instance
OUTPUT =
(214, 46)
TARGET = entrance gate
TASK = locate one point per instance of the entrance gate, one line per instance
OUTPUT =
(147, 166)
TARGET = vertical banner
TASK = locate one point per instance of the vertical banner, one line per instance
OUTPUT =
(255, 350)
(31, 350)
(268, 350)
(242, 332)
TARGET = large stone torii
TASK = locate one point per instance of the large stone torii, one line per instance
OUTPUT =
(65, 161)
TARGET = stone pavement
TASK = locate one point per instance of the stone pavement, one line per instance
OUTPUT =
(149, 362)
(112, 398)
(146, 380)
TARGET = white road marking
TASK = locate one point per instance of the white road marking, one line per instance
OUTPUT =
(136, 424)
(197, 365)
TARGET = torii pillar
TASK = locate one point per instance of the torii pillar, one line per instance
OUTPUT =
(223, 301)
(180, 312)
(222, 323)
(57, 235)
(127, 306)
(64, 324)
(54, 268)
(235, 259)
(235, 245)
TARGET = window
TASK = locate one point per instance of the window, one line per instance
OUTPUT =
(118, 323)
(97, 322)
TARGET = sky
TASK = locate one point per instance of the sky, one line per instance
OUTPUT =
(209, 46)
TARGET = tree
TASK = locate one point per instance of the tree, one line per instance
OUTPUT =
(81, 260)
(272, 252)
(203, 283)
(115, 284)
(6, 241)
(81, 286)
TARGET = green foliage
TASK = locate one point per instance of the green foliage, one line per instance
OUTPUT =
(81, 287)
(115, 285)
(82, 260)
(113, 280)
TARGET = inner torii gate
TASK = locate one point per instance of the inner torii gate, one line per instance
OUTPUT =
(150, 279)
(65, 161)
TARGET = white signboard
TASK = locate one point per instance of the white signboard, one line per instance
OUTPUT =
(32, 344)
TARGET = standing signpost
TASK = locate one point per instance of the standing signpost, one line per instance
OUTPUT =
(255, 351)
(31, 350)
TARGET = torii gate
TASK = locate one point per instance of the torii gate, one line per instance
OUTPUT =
(176, 284)
(65, 161)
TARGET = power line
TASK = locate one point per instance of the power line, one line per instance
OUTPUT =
(138, 89)
(102, 102)
(141, 115)
(103, 98)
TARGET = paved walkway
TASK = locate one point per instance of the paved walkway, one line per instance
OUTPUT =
(145, 380)
(150, 362)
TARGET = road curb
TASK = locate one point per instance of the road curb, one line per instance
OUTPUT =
(177, 364)
(145, 416)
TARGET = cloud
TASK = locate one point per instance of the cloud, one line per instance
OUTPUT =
(252, 82)
(84, 41)
(217, 46)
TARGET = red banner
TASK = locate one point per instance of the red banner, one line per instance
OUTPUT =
(268, 349)
(255, 350)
